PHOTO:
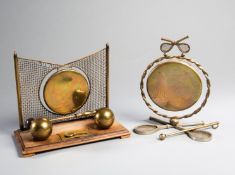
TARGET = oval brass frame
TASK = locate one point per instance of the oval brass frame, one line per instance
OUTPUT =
(180, 58)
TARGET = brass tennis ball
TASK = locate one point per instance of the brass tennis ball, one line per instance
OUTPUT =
(104, 118)
(174, 121)
(162, 136)
(41, 128)
(28, 123)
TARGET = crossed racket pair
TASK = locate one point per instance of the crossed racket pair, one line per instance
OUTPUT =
(167, 46)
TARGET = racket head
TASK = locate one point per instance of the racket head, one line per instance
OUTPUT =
(183, 47)
(200, 135)
(145, 129)
(166, 47)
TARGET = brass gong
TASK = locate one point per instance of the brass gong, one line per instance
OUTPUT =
(66, 91)
(174, 86)
(173, 83)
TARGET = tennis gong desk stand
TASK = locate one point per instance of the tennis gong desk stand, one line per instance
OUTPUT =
(68, 96)
(175, 87)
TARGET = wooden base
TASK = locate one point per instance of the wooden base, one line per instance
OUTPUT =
(28, 147)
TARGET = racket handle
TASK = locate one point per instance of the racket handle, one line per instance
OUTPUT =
(214, 125)
(180, 125)
(158, 120)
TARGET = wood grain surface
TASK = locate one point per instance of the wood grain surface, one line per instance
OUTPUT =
(28, 147)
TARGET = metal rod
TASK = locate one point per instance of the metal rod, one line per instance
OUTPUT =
(180, 125)
(107, 74)
(75, 116)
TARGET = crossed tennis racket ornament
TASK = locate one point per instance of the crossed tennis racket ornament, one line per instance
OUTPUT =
(175, 87)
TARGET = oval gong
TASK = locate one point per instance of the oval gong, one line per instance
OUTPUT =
(66, 91)
(174, 86)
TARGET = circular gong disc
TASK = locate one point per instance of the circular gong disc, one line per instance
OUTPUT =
(66, 91)
(174, 86)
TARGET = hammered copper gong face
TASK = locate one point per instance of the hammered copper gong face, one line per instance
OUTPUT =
(174, 86)
(66, 91)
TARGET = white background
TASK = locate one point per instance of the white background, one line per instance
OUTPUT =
(61, 31)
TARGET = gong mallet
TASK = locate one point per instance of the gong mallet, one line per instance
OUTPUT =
(41, 128)
(197, 135)
(214, 125)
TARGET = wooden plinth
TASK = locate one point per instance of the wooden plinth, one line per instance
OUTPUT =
(28, 147)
